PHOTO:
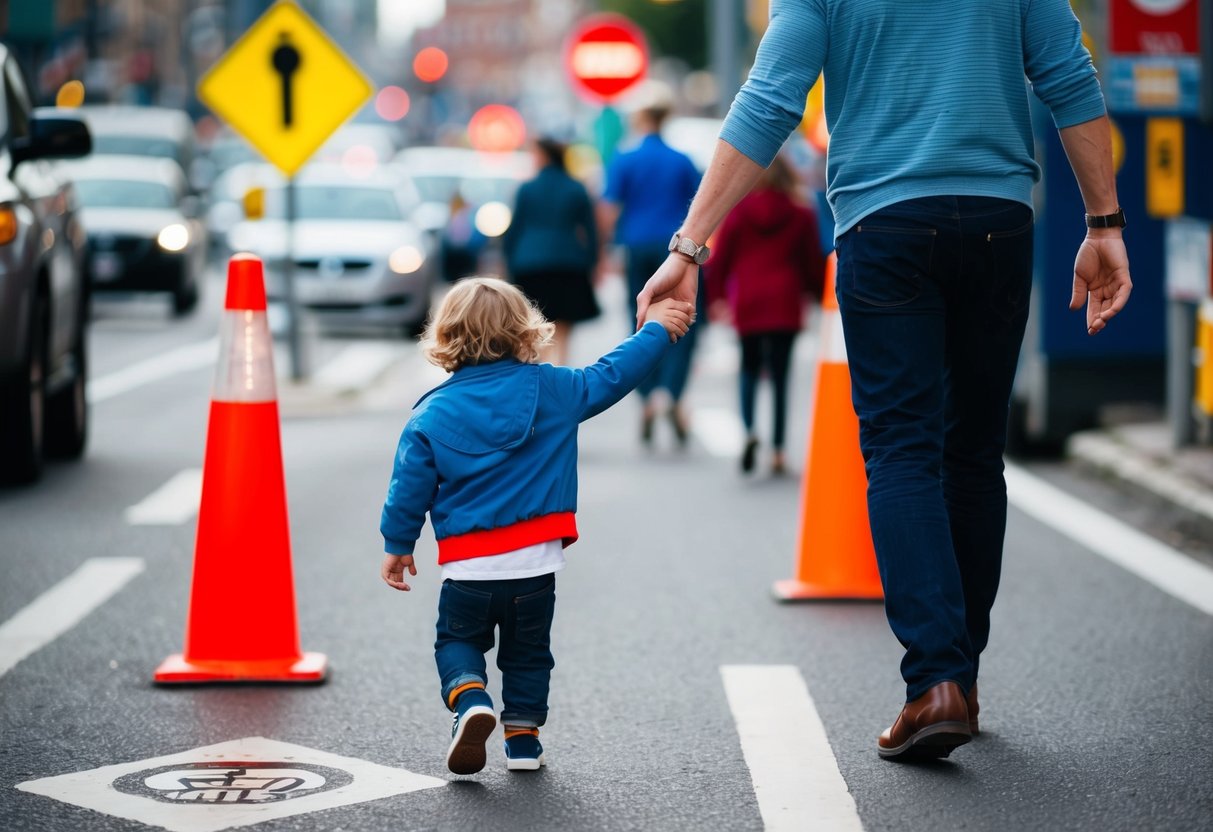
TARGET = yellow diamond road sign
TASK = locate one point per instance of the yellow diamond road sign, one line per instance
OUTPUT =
(285, 86)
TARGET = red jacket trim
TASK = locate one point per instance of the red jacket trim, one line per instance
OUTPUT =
(562, 526)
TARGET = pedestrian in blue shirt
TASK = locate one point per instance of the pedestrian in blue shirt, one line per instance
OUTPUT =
(491, 455)
(648, 190)
(929, 174)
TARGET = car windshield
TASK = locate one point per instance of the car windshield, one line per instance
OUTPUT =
(337, 202)
(436, 188)
(121, 193)
(135, 146)
(474, 189)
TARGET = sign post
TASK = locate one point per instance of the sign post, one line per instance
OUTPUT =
(285, 87)
(605, 57)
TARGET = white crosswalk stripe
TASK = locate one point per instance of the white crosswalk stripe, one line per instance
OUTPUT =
(63, 606)
(796, 777)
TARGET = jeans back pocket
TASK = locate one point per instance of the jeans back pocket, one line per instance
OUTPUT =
(883, 265)
(462, 611)
(533, 615)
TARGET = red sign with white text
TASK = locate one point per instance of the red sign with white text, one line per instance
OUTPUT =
(606, 56)
(1154, 27)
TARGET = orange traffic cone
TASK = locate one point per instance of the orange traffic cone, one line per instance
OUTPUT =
(241, 625)
(837, 560)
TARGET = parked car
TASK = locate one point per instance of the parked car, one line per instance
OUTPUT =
(358, 259)
(156, 132)
(43, 291)
(142, 226)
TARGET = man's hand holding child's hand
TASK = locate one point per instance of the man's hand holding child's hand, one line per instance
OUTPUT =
(673, 314)
(393, 568)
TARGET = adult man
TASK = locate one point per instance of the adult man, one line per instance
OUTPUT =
(930, 176)
(648, 189)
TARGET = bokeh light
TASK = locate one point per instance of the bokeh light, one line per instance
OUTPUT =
(493, 218)
(430, 64)
(70, 94)
(392, 103)
(496, 128)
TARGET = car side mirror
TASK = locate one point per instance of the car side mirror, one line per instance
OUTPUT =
(53, 138)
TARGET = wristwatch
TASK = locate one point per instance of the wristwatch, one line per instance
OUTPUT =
(685, 245)
(1116, 220)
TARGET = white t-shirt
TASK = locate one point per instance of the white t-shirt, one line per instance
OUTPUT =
(527, 562)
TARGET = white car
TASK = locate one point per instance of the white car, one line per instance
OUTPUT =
(358, 258)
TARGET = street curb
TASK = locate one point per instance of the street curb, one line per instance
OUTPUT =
(1108, 454)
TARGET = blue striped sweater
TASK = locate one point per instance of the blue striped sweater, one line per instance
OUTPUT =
(922, 97)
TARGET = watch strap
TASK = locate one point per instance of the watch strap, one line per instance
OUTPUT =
(1114, 220)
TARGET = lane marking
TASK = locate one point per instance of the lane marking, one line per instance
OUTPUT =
(63, 606)
(230, 784)
(1149, 559)
(357, 365)
(796, 778)
(171, 363)
(171, 504)
(719, 430)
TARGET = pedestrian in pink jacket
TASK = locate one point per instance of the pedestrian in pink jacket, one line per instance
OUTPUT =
(766, 262)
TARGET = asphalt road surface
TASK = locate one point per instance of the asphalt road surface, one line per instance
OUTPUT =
(684, 697)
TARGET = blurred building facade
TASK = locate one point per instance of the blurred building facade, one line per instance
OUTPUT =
(507, 52)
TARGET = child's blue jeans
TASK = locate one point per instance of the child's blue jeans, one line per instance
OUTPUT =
(468, 614)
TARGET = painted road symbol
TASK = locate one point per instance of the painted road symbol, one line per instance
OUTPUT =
(230, 784)
(285, 86)
(286, 63)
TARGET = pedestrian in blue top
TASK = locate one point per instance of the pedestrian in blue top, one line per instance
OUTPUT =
(491, 455)
(930, 174)
(648, 189)
(551, 246)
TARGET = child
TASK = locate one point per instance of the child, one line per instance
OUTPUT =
(766, 261)
(491, 454)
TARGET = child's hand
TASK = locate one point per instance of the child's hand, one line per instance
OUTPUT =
(675, 315)
(393, 568)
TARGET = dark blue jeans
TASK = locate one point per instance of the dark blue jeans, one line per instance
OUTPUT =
(468, 614)
(675, 369)
(934, 298)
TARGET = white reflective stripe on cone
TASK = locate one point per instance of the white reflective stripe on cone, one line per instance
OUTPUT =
(246, 359)
(833, 345)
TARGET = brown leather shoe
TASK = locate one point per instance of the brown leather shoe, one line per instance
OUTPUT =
(971, 701)
(929, 727)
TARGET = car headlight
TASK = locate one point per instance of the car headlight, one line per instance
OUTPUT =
(174, 237)
(406, 260)
(493, 218)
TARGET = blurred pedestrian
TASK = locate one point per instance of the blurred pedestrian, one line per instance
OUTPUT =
(551, 246)
(462, 243)
(491, 455)
(930, 180)
(766, 264)
(647, 192)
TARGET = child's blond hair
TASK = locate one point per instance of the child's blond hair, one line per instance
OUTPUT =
(483, 319)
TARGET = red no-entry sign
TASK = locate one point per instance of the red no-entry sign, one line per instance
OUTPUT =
(605, 57)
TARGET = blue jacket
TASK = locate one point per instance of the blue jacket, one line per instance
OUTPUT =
(491, 453)
(553, 226)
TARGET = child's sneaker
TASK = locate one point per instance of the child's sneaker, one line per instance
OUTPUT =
(522, 749)
(474, 724)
